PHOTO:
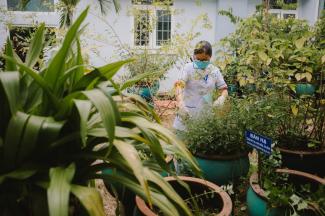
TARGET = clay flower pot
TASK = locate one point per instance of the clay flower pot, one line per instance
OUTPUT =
(221, 199)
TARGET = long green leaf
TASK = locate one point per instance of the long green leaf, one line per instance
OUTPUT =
(9, 66)
(158, 199)
(14, 134)
(155, 147)
(90, 199)
(87, 80)
(79, 72)
(49, 133)
(56, 67)
(108, 94)
(131, 155)
(83, 108)
(134, 80)
(168, 190)
(30, 137)
(41, 82)
(36, 46)
(167, 135)
(111, 69)
(18, 174)
(59, 190)
(106, 110)
(10, 83)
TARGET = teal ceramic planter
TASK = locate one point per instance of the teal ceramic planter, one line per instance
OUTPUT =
(169, 161)
(148, 92)
(257, 201)
(223, 170)
(305, 89)
(257, 206)
(232, 89)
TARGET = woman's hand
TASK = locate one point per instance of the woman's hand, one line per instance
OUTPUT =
(221, 100)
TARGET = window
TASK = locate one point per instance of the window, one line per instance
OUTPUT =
(284, 14)
(32, 5)
(142, 28)
(21, 37)
(289, 15)
(163, 28)
(150, 2)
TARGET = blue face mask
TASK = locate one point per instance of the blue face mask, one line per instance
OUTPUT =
(200, 64)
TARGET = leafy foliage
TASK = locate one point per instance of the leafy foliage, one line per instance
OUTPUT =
(282, 193)
(265, 49)
(219, 131)
(59, 120)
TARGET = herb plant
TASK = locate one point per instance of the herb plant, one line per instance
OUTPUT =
(218, 131)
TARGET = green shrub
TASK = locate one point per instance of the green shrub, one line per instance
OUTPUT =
(218, 131)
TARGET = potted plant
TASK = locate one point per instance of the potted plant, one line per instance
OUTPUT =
(152, 68)
(203, 197)
(215, 138)
(300, 134)
(59, 121)
(275, 191)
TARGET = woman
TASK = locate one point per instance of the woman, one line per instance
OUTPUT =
(195, 87)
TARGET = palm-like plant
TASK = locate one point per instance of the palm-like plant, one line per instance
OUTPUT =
(57, 122)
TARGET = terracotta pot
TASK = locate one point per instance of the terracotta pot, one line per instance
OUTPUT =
(222, 199)
(257, 201)
(306, 161)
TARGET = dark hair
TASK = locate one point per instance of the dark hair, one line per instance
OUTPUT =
(203, 47)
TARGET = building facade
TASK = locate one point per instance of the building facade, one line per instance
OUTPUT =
(106, 35)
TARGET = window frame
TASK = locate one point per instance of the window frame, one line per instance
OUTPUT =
(152, 9)
(280, 13)
(54, 10)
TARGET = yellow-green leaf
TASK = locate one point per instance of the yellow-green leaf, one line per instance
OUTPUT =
(294, 109)
(299, 76)
(300, 42)
(90, 199)
(263, 56)
(308, 76)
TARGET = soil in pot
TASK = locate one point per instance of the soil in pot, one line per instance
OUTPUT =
(223, 169)
(257, 201)
(209, 198)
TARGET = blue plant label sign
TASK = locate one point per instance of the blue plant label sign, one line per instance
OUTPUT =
(259, 142)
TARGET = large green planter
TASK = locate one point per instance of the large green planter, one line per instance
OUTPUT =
(307, 161)
(257, 205)
(257, 201)
(150, 91)
(169, 161)
(223, 169)
(305, 89)
(232, 89)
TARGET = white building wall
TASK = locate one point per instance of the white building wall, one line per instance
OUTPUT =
(309, 10)
(104, 34)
